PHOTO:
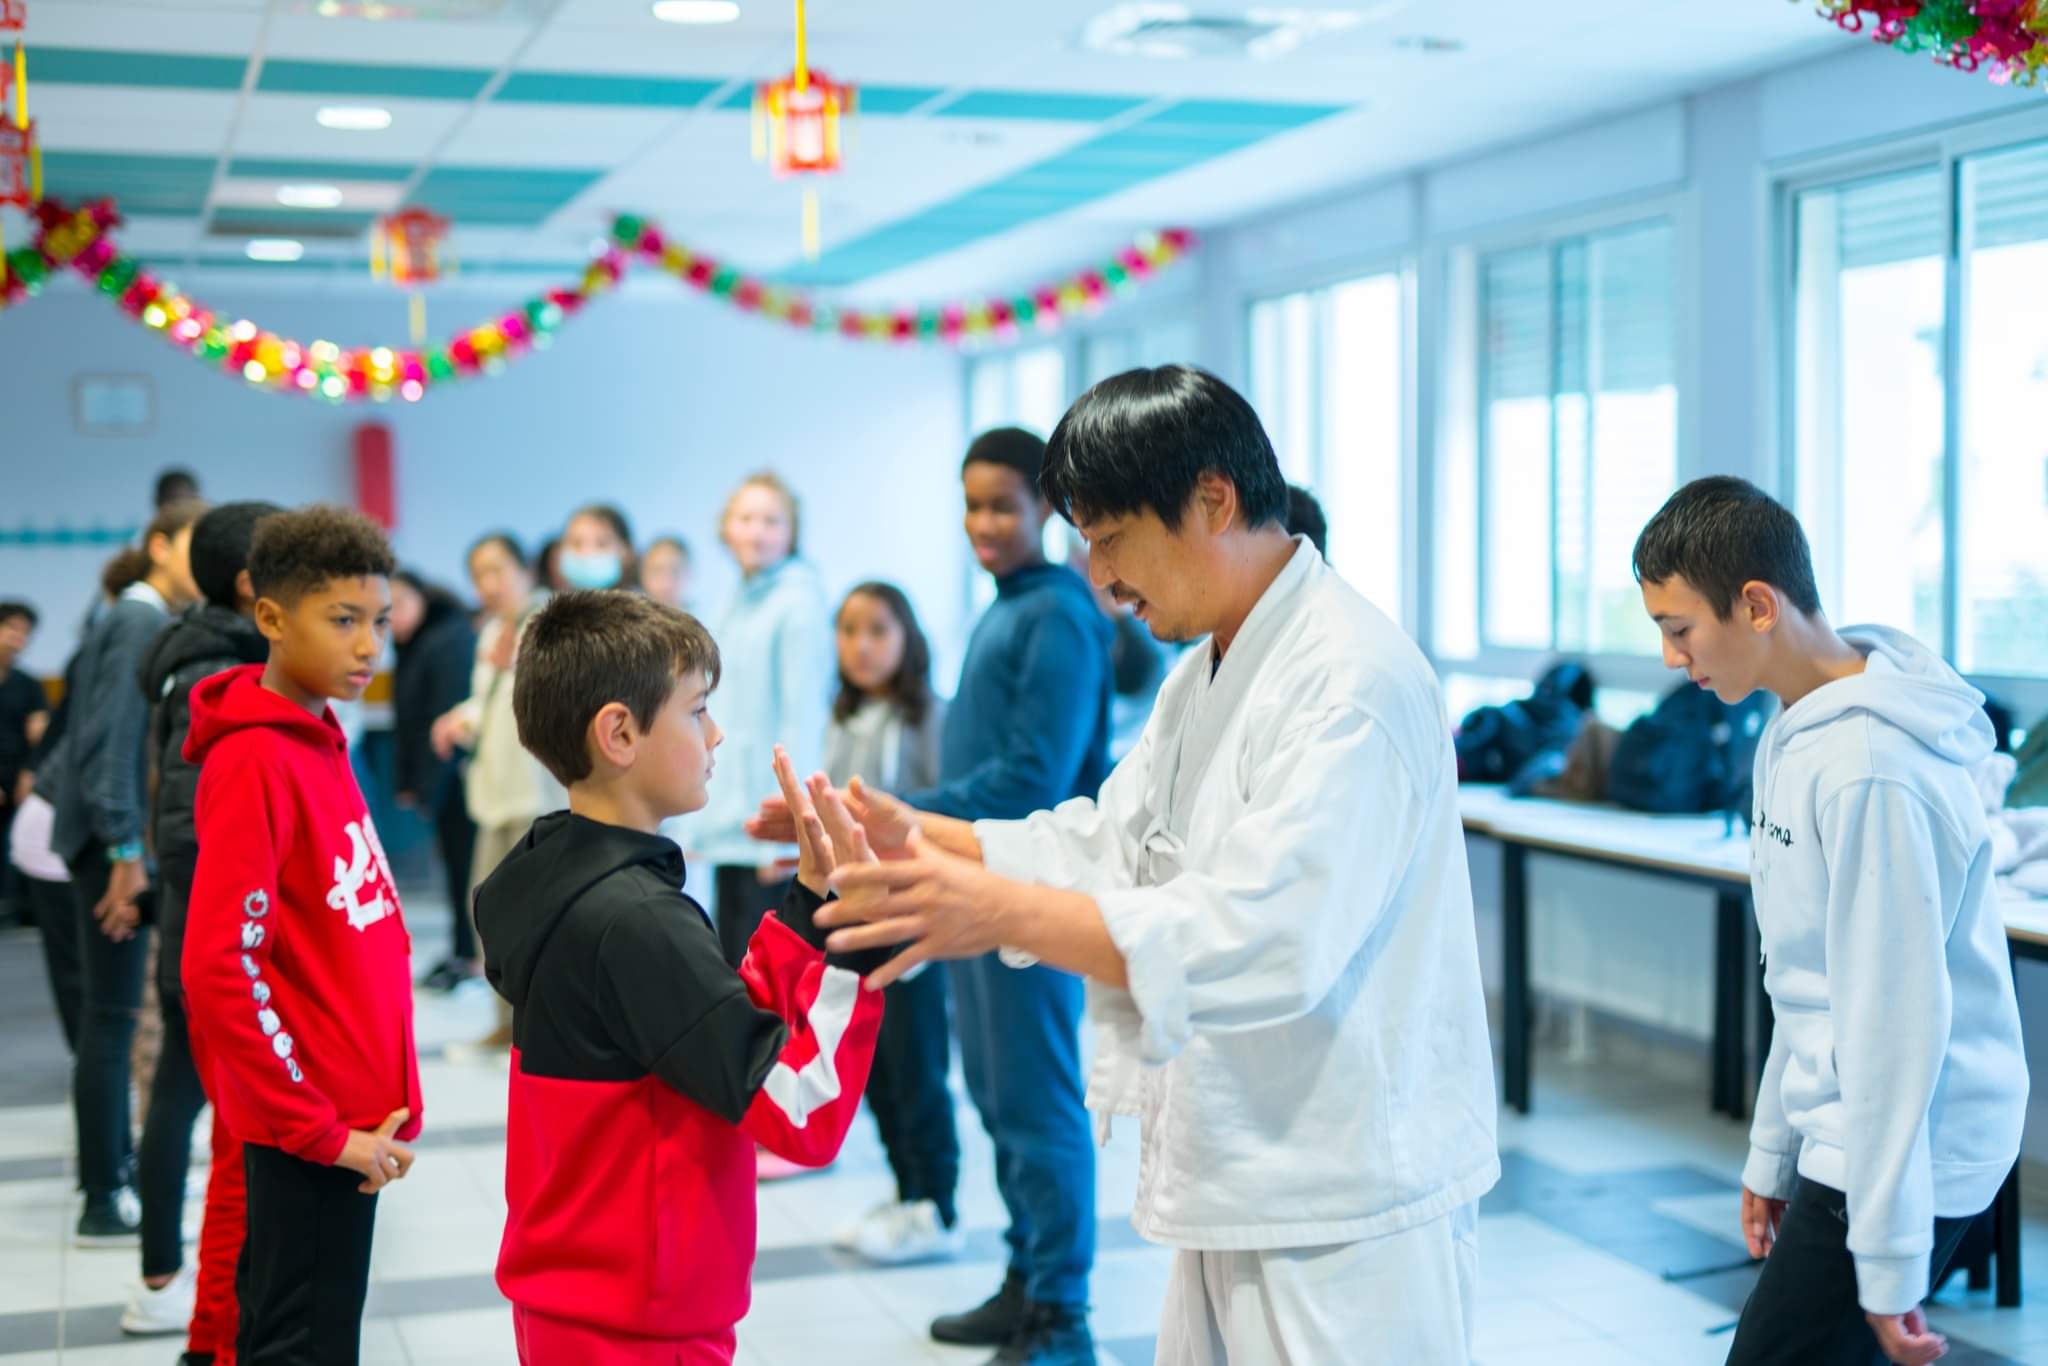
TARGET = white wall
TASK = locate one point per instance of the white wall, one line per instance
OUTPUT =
(658, 403)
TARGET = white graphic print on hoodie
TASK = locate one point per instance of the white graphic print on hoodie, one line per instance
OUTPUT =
(1896, 1073)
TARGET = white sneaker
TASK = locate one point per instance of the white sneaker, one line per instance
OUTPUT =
(847, 1239)
(907, 1233)
(160, 1313)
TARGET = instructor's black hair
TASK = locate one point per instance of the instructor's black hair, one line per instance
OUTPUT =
(1143, 440)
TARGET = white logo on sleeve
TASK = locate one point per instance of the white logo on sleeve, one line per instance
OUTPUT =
(252, 935)
(361, 880)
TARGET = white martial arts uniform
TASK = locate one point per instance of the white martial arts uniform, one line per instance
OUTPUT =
(1304, 1042)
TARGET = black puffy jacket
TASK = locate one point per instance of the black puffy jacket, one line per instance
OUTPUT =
(201, 643)
(433, 677)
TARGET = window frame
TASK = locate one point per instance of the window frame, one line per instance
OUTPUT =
(1464, 339)
(1402, 266)
(1942, 151)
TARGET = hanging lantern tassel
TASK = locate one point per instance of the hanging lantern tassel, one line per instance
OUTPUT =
(377, 250)
(418, 310)
(811, 234)
(21, 82)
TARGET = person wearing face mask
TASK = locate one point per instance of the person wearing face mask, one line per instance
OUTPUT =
(597, 550)
(101, 809)
(776, 639)
(505, 787)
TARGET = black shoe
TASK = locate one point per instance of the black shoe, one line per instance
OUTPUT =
(1052, 1335)
(196, 1359)
(442, 976)
(110, 1221)
(994, 1323)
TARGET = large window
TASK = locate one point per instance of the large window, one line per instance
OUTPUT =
(1328, 380)
(1166, 342)
(1026, 388)
(1578, 435)
(1920, 385)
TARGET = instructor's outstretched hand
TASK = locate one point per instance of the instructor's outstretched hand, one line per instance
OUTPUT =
(937, 904)
(888, 822)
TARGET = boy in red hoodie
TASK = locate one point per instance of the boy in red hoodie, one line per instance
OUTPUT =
(644, 1069)
(297, 969)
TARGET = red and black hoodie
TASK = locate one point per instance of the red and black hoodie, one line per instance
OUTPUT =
(297, 964)
(645, 1070)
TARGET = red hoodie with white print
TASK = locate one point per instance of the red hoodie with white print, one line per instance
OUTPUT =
(297, 964)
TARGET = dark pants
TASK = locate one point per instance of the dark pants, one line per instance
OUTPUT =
(110, 999)
(1021, 1050)
(1803, 1310)
(175, 1100)
(56, 918)
(907, 1090)
(455, 836)
(305, 1266)
(742, 901)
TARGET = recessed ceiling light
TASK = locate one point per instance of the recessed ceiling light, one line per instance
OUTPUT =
(309, 196)
(353, 118)
(1434, 46)
(696, 11)
(274, 249)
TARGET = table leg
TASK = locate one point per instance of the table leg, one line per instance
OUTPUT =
(1515, 1012)
(1731, 944)
(2007, 1229)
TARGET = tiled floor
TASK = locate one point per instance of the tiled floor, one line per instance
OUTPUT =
(1607, 1244)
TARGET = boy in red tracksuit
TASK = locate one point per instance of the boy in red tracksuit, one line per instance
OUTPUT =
(644, 1069)
(297, 964)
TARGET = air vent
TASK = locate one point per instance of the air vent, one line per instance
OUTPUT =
(228, 222)
(1177, 31)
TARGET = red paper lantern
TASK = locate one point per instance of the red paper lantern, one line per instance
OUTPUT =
(800, 118)
(410, 246)
(19, 178)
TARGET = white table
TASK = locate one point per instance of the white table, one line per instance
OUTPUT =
(1703, 851)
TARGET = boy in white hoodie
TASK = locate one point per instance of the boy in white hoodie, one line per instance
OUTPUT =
(1896, 1087)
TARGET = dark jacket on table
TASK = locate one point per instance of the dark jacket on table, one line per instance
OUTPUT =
(433, 677)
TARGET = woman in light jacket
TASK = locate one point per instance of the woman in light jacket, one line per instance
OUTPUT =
(507, 789)
(775, 645)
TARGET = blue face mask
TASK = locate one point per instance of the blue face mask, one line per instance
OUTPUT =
(600, 569)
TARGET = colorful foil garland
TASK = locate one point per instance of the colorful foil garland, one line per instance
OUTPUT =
(998, 317)
(82, 240)
(2005, 39)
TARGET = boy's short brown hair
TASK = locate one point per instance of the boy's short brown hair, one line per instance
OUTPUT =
(585, 651)
(302, 550)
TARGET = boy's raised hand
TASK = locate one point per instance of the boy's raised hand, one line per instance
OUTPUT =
(376, 1156)
(849, 840)
(815, 860)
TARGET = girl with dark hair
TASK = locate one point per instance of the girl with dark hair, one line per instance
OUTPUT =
(885, 729)
(102, 807)
(436, 647)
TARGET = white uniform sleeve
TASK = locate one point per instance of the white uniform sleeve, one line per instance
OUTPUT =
(1083, 845)
(1889, 997)
(1264, 931)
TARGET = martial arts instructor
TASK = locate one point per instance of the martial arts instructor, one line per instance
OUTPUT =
(1268, 898)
